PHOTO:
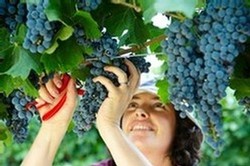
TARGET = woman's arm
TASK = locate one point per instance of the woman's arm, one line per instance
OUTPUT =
(123, 151)
(52, 131)
(44, 147)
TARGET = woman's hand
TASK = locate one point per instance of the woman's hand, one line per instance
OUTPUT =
(123, 151)
(50, 96)
(52, 131)
(118, 98)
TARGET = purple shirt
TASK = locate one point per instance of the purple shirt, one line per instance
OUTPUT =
(107, 162)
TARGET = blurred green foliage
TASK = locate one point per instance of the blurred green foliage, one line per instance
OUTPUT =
(74, 150)
(90, 148)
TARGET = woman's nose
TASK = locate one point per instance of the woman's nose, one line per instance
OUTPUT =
(141, 113)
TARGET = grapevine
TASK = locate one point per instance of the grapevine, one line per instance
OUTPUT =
(40, 30)
(18, 115)
(201, 59)
(13, 13)
(104, 52)
(79, 38)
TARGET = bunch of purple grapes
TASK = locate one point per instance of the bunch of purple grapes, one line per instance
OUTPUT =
(18, 115)
(40, 30)
(13, 12)
(201, 57)
(105, 52)
(88, 5)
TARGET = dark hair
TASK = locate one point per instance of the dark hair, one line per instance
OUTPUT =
(185, 150)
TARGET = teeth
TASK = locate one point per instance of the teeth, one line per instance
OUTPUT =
(141, 128)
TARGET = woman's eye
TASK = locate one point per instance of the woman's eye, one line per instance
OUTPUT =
(132, 105)
(159, 106)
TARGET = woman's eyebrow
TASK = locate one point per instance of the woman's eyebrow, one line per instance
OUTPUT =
(135, 97)
(156, 98)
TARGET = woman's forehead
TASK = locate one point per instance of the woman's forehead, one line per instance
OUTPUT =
(148, 95)
(151, 96)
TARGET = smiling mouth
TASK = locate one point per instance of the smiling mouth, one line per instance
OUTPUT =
(141, 128)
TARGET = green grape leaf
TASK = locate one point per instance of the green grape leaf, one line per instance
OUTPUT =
(4, 40)
(164, 66)
(3, 110)
(148, 10)
(241, 87)
(21, 33)
(163, 90)
(7, 58)
(123, 40)
(187, 7)
(201, 4)
(3, 135)
(2, 147)
(8, 84)
(71, 126)
(248, 2)
(2, 127)
(68, 56)
(118, 19)
(63, 34)
(139, 32)
(242, 65)
(80, 73)
(60, 10)
(155, 32)
(90, 26)
(29, 89)
(24, 62)
(8, 141)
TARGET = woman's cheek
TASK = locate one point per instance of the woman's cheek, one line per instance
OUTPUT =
(124, 122)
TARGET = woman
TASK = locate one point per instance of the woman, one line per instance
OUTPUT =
(136, 127)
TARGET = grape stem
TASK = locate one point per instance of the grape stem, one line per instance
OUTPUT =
(178, 16)
(138, 47)
(124, 3)
(134, 48)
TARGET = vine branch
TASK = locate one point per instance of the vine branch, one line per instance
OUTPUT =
(144, 45)
(175, 15)
(132, 49)
(124, 3)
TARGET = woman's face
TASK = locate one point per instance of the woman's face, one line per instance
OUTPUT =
(149, 123)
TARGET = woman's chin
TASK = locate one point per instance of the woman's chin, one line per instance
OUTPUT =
(141, 137)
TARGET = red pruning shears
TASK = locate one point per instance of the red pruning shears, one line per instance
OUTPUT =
(58, 106)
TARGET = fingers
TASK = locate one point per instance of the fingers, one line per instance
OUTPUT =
(52, 89)
(57, 80)
(122, 76)
(45, 103)
(134, 77)
(45, 95)
(106, 82)
(132, 81)
(71, 92)
(39, 102)
(42, 106)
(49, 91)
